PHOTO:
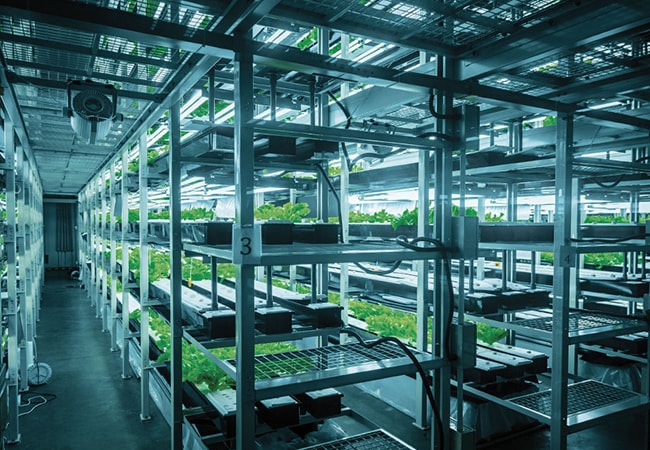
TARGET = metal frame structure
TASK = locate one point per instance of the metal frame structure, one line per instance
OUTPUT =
(519, 62)
(23, 244)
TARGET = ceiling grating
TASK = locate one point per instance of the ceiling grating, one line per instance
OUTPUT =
(517, 60)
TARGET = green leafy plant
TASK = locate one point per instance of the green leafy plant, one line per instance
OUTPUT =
(549, 121)
(489, 334)
(408, 217)
(289, 211)
(308, 40)
(595, 218)
(201, 371)
(158, 215)
(489, 217)
(196, 214)
(334, 171)
(601, 260)
(546, 257)
(381, 216)
(226, 271)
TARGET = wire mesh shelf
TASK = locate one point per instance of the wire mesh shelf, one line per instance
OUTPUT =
(372, 440)
(581, 321)
(323, 358)
(335, 365)
(586, 401)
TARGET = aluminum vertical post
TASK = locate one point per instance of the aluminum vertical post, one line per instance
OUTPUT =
(13, 432)
(442, 231)
(563, 261)
(24, 344)
(322, 196)
(345, 225)
(93, 239)
(30, 223)
(510, 256)
(422, 408)
(113, 263)
(245, 296)
(103, 305)
(126, 370)
(212, 138)
(176, 276)
(145, 362)
(214, 284)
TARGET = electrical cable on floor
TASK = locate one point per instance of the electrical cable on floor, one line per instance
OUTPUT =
(418, 367)
(35, 396)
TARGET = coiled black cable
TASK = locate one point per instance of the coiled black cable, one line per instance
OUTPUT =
(391, 269)
(435, 113)
(348, 122)
(407, 351)
(437, 246)
(336, 196)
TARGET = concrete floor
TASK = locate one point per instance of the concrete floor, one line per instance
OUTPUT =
(92, 407)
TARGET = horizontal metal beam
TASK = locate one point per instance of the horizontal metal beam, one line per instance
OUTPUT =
(112, 22)
(261, 82)
(241, 15)
(71, 48)
(616, 118)
(83, 73)
(53, 84)
(344, 135)
(13, 110)
(102, 20)
(354, 28)
(185, 78)
(289, 58)
(570, 26)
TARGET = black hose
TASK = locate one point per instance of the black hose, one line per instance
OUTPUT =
(346, 112)
(437, 246)
(348, 122)
(435, 113)
(604, 185)
(391, 269)
(407, 351)
(336, 196)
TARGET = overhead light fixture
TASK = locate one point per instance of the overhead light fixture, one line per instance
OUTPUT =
(92, 109)
(605, 105)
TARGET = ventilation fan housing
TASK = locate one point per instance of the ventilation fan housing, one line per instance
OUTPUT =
(92, 109)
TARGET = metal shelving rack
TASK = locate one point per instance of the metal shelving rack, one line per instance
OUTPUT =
(332, 365)
(124, 269)
(569, 406)
(112, 265)
(23, 243)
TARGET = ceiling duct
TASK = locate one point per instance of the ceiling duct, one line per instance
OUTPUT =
(92, 109)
